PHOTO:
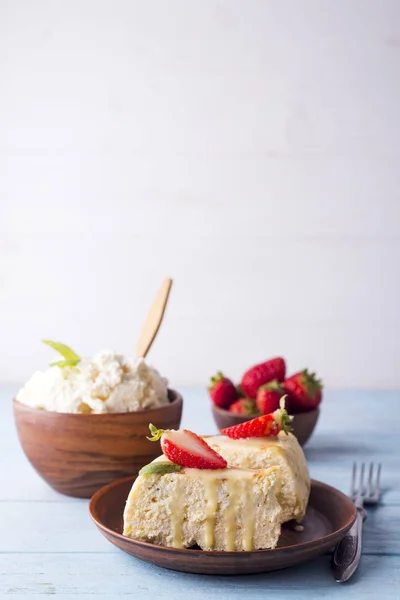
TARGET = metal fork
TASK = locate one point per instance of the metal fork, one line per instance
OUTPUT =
(347, 553)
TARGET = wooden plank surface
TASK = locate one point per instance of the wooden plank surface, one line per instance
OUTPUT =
(48, 545)
(54, 526)
(111, 576)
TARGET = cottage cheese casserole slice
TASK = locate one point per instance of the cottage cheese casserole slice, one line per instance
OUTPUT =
(283, 452)
(227, 509)
(190, 496)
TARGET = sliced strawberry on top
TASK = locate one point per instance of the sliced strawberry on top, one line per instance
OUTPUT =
(187, 449)
(304, 390)
(259, 375)
(264, 426)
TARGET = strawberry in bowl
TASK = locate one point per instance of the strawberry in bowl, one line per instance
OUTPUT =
(261, 374)
(222, 391)
(260, 392)
(304, 390)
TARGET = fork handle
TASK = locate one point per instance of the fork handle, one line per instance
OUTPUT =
(346, 556)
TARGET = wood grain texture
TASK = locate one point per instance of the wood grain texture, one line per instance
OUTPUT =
(78, 454)
(154, 319)
(117, 575)
(36, 562)
(380, 529)
(303, 424)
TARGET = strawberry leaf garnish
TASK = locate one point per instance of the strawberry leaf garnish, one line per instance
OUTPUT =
(273, 385)
(216, 379)
(311, 383)
(283, 418)
(250, 407)
(65, 363)
(155, 433)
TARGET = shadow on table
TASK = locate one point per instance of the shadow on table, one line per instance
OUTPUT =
(314, 579)
(330, 448)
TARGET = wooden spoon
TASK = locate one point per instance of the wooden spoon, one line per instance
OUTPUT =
(154, 319)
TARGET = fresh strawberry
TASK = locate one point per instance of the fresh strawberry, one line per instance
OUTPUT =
(187, 449)
(304, 390)
(261, 374)
(268, 397)
(222, 391)
(264, 426)
(244, 406)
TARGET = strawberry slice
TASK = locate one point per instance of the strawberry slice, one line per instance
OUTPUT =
(187, 449)
(264, 426)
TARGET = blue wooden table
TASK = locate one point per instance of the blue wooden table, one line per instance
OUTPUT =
(49, 546)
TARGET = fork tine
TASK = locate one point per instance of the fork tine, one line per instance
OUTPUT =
(378, 480)
(353, 479)
(369, 483)
(360, 487)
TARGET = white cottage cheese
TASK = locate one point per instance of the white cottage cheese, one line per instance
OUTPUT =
(107, 383)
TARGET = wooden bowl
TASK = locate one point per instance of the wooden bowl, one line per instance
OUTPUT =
(303, 423)
(77, 454)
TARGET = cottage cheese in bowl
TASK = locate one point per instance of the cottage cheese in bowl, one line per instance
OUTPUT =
(107, 383)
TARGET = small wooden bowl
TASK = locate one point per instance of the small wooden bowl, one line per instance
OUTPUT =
(77, 454)
(303, 423)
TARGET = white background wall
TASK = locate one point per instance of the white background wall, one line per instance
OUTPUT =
(250, 149)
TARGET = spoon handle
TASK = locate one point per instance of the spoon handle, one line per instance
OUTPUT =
(153, 319)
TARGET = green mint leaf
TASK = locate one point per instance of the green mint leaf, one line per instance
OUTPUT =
(62, 349)
(65, 363)
(159, 468)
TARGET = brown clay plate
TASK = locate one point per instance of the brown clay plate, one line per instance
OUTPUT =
(330, 515)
